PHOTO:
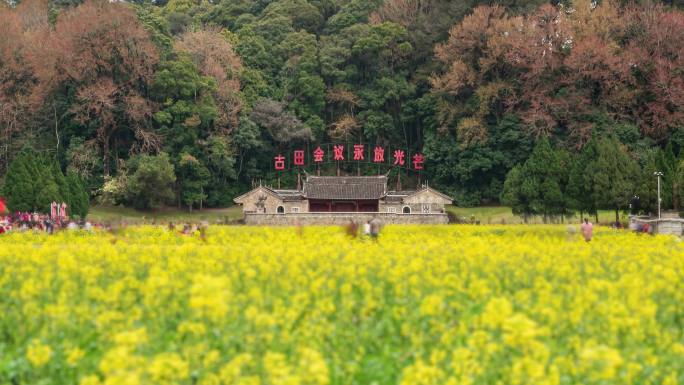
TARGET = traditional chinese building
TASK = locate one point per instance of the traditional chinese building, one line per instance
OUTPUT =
(337, 200)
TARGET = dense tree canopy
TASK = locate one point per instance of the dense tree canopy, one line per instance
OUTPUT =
(220, 86)
(33, 182)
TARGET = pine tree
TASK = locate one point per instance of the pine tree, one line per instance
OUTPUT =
(535, 187)
(512, 194)
(646, 185)
(48, 192)
(679, 185)
(33, 182)
(580, 189)
(19, 187)
(61, 182)
(193, 177)
(667, 164)
(613, 176)
(79, 199)
(541, 180)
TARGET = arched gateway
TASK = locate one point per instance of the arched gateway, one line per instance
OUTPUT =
(339, 199)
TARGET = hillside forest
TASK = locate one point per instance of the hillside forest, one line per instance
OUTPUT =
(549, 107)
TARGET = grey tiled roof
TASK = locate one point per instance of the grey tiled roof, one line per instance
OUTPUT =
(345, 187)
(398, 196)
(290, 195)
(287, 195)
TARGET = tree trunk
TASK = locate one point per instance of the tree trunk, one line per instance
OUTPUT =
(239, 169)
(54, 109)
(675, 195)
(105, 155)
(617, 216)
(596, 216)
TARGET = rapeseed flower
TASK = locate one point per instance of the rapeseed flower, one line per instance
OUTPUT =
(74, 355)
(424, 305)
(38, 354)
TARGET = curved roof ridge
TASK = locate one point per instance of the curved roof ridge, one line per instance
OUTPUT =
(345, 187)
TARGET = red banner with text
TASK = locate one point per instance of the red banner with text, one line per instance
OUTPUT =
(348, 152)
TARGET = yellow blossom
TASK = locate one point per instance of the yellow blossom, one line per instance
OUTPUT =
(90, 380)
(168, 368)
(74, 355)
(456, 305)
(600, 362)
(432, 305)
(38, 354)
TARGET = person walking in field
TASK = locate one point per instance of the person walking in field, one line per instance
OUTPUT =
(572, 231)
(352, 229)
(587, 230)
(375, 226)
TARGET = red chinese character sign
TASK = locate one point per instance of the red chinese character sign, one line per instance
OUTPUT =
(399, 158)
(318, 155)
(418, 160)
(279, 162)
(299, 157)
(378, 155)
(358, 152)
(338, 151)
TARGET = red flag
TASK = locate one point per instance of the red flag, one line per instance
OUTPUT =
(3, 208)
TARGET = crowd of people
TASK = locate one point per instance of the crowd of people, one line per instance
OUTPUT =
(39, 222)
(58, 219)
(587, 229)
(371, 228)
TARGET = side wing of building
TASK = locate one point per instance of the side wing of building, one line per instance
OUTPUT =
(264, 200)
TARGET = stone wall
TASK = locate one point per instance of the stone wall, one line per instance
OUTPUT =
(672, 226)
(306, 219)
(302, 205)
(416, 208)
(383, 207)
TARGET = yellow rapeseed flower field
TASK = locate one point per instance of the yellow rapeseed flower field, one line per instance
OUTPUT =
(452, 305)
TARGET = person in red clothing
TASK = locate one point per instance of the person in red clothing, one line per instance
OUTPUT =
(587, 230)
(3, 209)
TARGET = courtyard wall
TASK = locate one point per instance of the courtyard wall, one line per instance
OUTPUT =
(306, 219)
(665, 225)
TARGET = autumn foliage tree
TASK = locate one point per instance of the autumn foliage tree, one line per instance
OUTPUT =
(17, 81)
(213, 55)
(472, 85)
(563, 69)
(99, 50)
